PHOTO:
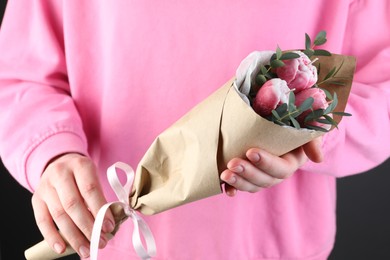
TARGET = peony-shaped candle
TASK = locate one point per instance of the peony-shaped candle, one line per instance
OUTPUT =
(319, 102)
(272, 94)
(299, 73)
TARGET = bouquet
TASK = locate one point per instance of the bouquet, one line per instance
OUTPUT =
(278, 101)
(285, 89)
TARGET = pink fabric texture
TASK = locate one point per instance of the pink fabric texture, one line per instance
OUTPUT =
(104, 78)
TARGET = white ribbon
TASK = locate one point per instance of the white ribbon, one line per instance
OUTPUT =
(140, 226)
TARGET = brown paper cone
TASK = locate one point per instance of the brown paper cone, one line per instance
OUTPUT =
(183, 163)
(42, 251)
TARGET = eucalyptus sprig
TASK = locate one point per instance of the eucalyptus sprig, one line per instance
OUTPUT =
(310, 48)
(286, 115)
(266, 71)
(332, 78)
(324, 116)
(275, 61)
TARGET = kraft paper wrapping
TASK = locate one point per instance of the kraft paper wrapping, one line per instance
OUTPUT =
(184, 162)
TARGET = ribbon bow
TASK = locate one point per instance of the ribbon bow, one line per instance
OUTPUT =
(140, 226)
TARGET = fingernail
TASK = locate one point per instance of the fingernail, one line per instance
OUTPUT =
(254, 157)
(231, 193)
(102, 241)
(108, 226)
(237, 169)
(232, 180)
(84, 252)
(58, 248)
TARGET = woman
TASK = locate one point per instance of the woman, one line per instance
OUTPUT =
(86, 83)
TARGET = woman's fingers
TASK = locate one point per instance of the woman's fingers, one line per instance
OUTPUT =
(230, 190)
(313, 150)
(46, 225)
(69, 229)
(260, 170)
(236, 182)
(73, 203)
(92, 194)
(52, 211)
(70, 196)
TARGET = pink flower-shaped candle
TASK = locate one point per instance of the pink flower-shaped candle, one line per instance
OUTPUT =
(320, 102)
(299, 73)
(273, 93)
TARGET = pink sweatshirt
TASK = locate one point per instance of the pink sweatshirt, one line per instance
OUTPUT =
(104, 78)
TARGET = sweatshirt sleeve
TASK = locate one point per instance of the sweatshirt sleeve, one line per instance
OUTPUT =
(363, 140)
(38, 116)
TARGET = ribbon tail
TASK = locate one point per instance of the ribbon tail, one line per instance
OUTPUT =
(96, 231)
(140, 227)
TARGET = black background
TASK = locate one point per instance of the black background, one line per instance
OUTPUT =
(363, 211)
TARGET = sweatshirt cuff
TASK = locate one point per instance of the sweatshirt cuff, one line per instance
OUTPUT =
(65, 142)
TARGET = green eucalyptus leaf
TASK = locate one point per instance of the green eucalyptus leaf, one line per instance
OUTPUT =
(320, 52)
(278, 52)
(331, 73)
(271, 75)
(330, 120)
(335, 100)
(295, 123)
(263, 69)
(327, 93)
(321, 34)
(275, 114)
(338, 69)
(282, 109)
(317, 128)
(297, 113)
(307, 41)
(338, 83)
(273, 57)
(323, 121)
(289, 56)
(332, 105)
(260, 79)
(319, 69)
(291, 98)
(329, 109)
(306, 104)
(277, 63)
(280, 123)
(320, 38)
(314, 115)
(341, 114)
(319, 42)
(308, 52)
(292, 109)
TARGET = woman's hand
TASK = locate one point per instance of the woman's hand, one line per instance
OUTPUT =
(69, 196)
(264, 170)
